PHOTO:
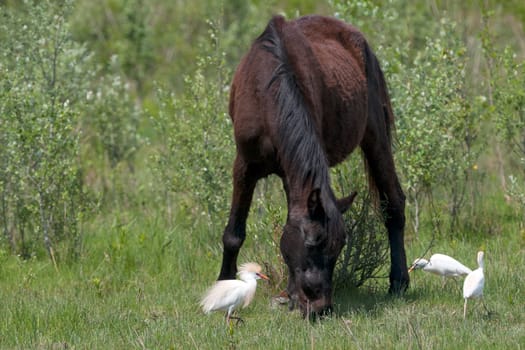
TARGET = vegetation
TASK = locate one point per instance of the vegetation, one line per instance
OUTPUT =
(115, 178)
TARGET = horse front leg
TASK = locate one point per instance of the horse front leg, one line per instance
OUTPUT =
(235, 232)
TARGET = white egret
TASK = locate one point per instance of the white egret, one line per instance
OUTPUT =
(473, 285)
(442, 265)
(227, 295)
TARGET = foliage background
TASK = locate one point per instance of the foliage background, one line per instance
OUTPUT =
(117, 150)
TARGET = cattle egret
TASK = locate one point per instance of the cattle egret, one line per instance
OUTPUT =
(442, 265)
(473, 285)
(227, 295)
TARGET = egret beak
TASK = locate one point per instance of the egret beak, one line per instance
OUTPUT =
(411, 268)
(263, 276)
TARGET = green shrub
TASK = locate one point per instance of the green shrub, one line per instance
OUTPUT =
(506, 106)
(437, 124)
(111, 121)
(366, 249)
(196, 154)
(437, 113)
(42, 69)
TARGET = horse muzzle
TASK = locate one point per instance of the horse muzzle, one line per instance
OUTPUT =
(320, 307)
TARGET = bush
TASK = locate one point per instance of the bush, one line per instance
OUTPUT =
(506, 106)
(111, 119)
(41, 192)
(437, 124)
(196, 155)
(437, 112)
(366, 249)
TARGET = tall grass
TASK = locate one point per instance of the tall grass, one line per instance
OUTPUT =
(139, 284)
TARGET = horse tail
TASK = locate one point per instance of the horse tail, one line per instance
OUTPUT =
(379, 104)
(298, 79)
(378, 89)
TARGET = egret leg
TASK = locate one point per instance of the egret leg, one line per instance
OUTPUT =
(229, 317)
(465, 309)
(238, 319)
(228, 314)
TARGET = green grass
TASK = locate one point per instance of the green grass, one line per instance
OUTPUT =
(138, 286)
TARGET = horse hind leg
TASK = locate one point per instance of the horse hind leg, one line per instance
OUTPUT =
(377, 150)
(244, 181)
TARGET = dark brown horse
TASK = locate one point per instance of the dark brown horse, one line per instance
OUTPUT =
(308, 93)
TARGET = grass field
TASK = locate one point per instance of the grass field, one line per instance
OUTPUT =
(136, 95)
(138, 285)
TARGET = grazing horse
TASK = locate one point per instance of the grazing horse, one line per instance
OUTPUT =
(308, 92)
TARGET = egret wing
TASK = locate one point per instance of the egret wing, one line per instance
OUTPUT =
(223, 294)
(448, 265)
(473, 285)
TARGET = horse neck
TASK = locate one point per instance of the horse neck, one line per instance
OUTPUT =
(299, 192)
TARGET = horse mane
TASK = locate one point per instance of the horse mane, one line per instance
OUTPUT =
(301, 153)
(300, 148)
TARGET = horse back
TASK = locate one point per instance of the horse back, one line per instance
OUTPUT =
(328, 61)
(340, 50)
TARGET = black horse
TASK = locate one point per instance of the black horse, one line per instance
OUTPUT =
(308, 93)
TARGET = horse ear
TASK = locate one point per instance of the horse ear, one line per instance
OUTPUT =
(315, 205)
(344, 203)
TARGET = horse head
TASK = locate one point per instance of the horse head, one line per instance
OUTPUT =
(311, 243)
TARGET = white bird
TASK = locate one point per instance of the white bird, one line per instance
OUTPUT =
(442, 265)
(473, 285)
(227, 295)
